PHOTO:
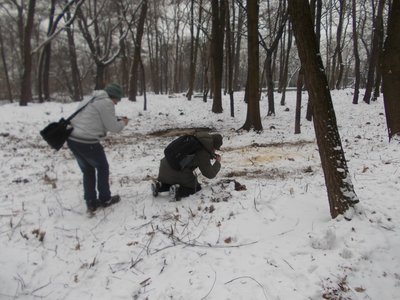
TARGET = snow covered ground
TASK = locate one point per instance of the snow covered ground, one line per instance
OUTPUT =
(274, 240)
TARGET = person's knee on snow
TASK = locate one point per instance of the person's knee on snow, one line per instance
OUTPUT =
(181, 173)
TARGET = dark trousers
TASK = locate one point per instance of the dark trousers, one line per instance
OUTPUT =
(182, 191)
(92, 161)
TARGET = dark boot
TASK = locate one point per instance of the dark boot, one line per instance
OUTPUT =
(92, 206)
(183, 191)
(114, 199)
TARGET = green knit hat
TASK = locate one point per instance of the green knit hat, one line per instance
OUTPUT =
(114, 91)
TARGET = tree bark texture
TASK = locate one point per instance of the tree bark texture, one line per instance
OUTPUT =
(286, 67)
(268, 66)
(218, 27)
(374, 56)
(357, 73)
(133, 78)
(337, 54)
(299, 91)
(26, 83)
(192, 66)
(340, 189)
(3, 59)
(229, 56)
(253, 118)
(236, 72)
(391, 72)
(153, 44)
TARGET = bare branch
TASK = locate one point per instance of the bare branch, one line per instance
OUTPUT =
(56, 33)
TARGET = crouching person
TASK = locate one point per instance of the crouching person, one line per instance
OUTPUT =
(182, 182)
(90, 126)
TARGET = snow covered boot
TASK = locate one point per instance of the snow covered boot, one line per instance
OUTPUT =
(155, 187)
(174, 192)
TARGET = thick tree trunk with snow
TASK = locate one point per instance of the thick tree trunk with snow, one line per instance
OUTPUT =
(340, 189)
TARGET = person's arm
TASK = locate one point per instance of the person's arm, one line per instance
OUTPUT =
(206, 168)
(109, 119)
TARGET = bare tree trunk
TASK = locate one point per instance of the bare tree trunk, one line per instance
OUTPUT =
(378, 76)
(286, 66)
(175, 85)
(374, 52)
(4, 61)
(206, 65)
(124, 56)
(316, 14)
(328, 33)
(143, 85)
(356, 54)
(192, 66)
(391, 72)
(340, 67)
(270, 83)
(154, 52)
(340, 190)
(136, 55)
(164, 70)
(230, 62)
(26, 82)
(77, 93)
(197, 40)
(44, 61)
(236, 72)
(218, 26)
(337, 54)
(43, 76)
(282, 61)
(300, 83)
(269, 61)
(253, 118)
(100, 76)
(95, 23)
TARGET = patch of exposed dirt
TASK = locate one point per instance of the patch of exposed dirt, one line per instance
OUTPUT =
(298, 144)
(268, 173)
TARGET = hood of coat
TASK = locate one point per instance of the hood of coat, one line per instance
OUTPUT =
(207, 140)
(100, 94)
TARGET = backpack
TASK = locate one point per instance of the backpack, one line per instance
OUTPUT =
(180, 152)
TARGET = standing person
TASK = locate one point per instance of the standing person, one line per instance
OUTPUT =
(90, 126)
(182, 183)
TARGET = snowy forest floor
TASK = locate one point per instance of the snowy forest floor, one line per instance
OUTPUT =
(273, 240)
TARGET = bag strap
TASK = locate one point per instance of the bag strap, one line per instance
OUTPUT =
(79, 110)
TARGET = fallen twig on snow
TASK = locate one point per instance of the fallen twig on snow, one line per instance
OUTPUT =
(176, 239)
(249, 277)
(212, 287)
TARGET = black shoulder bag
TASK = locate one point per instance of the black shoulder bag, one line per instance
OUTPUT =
(56, 133)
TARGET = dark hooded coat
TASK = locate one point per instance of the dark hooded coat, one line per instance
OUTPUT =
(201, 160)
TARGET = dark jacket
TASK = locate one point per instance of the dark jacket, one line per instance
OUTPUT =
(201, 160)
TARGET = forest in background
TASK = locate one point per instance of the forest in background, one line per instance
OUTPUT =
(178, 46)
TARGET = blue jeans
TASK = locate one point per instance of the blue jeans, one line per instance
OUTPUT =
(92, 159)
